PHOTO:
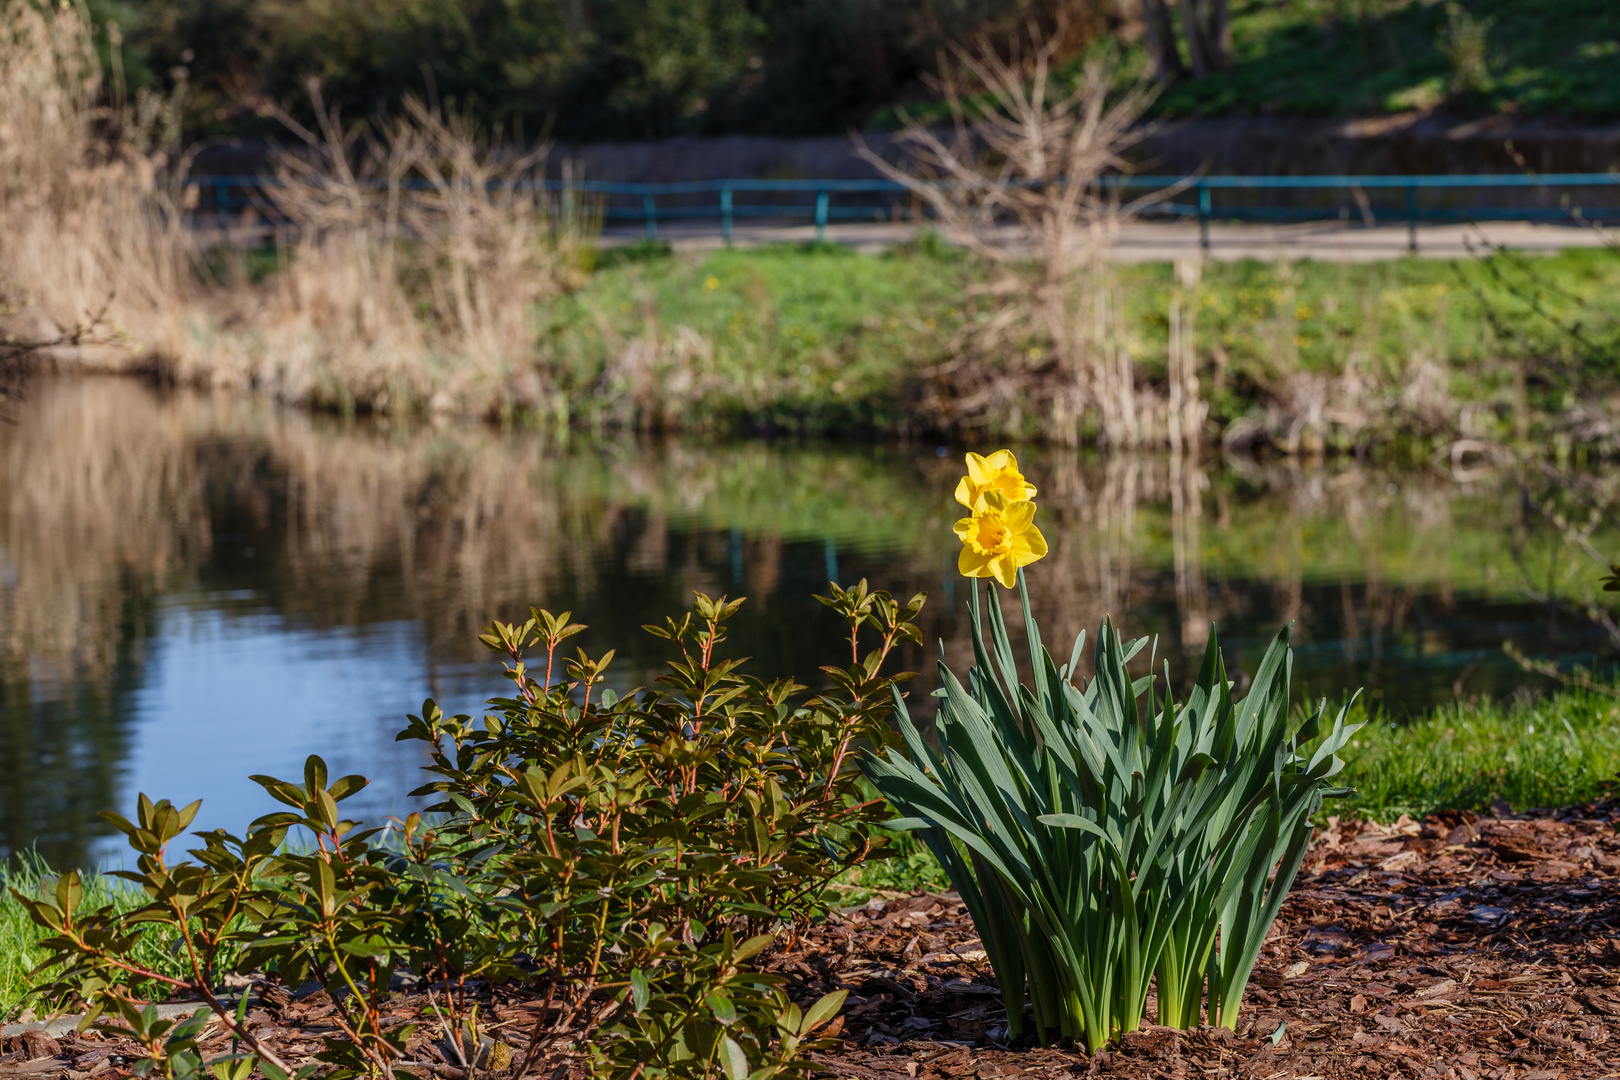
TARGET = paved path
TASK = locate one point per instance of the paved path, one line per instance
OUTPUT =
(1155, 241)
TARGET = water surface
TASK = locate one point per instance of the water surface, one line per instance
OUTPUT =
(197, 587)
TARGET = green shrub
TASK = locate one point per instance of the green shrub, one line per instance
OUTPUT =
(621, 855)
(1099, 838)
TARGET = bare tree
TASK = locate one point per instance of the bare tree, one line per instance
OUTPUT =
(1018, 179)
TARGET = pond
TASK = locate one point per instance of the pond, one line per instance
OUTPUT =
(197, 587)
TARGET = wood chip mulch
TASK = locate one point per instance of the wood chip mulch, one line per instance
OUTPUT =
(1461, 947)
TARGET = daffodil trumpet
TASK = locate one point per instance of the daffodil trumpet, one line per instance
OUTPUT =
(999, 538)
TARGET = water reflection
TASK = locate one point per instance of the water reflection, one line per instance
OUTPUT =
(197, 587)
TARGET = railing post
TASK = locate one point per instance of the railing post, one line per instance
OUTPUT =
(1203, 216)
(1411, 218)
(649, 210)
(821, 216)
(725, 215)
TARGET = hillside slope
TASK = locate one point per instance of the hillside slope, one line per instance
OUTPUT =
(1372, 57)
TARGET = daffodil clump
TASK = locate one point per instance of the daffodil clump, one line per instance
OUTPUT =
(1103, 836)
(999, 537)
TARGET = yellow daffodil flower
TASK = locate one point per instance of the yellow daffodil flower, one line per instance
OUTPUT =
(999, 538)
(998, 473)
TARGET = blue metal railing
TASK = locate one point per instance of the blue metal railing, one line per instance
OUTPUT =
(879, 200)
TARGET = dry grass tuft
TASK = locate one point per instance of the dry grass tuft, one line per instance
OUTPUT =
(416, 265)
(413, 261)
(84, 201)
(1017, 181)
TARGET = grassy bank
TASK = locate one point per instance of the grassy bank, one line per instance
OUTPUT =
(1335, 58)
(1555, 751)
(1305, 355)
(1559, 750)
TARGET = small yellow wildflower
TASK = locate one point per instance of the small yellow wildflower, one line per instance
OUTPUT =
(998, 473)
(999, 538)
(711, 283)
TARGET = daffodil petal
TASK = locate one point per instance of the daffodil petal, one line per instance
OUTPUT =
(1005, 570)
(1028, 546)
(971, 564)
(1018, 515)
(1000, 536)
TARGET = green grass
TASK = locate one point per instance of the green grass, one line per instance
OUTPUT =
(1556, 751)
(1344, 57)
(821, 339)
(816, 337)
(1375, 57)
(19, 937)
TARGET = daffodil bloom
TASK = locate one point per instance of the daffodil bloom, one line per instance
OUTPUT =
(999, 538)
(998, 473)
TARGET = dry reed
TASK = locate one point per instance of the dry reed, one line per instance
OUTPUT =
(89, 223)
(418, 260)
(413, 262)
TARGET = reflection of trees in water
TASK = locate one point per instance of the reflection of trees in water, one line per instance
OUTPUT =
(62, 740)
(1387, 569)
(96, 512)
(1580, 509)
(114, 495)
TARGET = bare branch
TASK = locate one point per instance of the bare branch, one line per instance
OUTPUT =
(1018, 179)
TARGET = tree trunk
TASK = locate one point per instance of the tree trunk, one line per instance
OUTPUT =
(1161, 32)
(1209, 35)
(1221, 33)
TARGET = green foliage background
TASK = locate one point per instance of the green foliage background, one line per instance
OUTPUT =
(629, 69)
(580, 69)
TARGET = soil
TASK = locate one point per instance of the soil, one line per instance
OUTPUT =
(1459, 947)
